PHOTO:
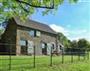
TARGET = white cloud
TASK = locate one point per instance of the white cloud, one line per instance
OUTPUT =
(78, 32)
(79, 37)
(59, 28)
(72, 34)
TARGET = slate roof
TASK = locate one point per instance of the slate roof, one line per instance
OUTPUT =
(35, 25)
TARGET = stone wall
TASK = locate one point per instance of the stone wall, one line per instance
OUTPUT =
(22, 32)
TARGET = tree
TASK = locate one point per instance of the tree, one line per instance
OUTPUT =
(83, 43)
(74, 44)
(63, 40)
(25, 8)
(88, 47)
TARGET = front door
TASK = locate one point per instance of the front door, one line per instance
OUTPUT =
(23, 50)
(23, 44)
(44, 48)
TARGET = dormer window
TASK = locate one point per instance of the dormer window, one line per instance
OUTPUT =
(38, 33)
(32, 33)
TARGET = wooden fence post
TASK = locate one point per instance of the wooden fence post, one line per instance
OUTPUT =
(51, 57)
(9, 56)
(62, 56)
(79, 55)
(34, 64)
(88, 54)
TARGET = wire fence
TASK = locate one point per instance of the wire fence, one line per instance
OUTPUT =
(10, 62)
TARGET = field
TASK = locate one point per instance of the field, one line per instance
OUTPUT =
(25, 63)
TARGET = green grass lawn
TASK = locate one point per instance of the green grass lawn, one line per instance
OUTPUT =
(25, 63)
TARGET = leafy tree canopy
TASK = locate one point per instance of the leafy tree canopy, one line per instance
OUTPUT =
(64, 40)
(25, 8)
(83, 43)
(74, 44)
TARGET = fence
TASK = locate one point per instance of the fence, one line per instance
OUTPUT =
(10, 62)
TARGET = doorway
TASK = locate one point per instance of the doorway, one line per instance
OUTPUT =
(23, 50)
(44, 48)
(23, 44)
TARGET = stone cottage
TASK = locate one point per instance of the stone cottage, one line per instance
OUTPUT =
(20, 38)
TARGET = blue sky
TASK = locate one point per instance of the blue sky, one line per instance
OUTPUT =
(73, 20)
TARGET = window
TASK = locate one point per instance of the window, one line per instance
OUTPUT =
(53, 46)
(60, 47)
(49, 47)
(32, 33)
(38, 33)
(30, 49)
(22, 42)
(43, 45)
